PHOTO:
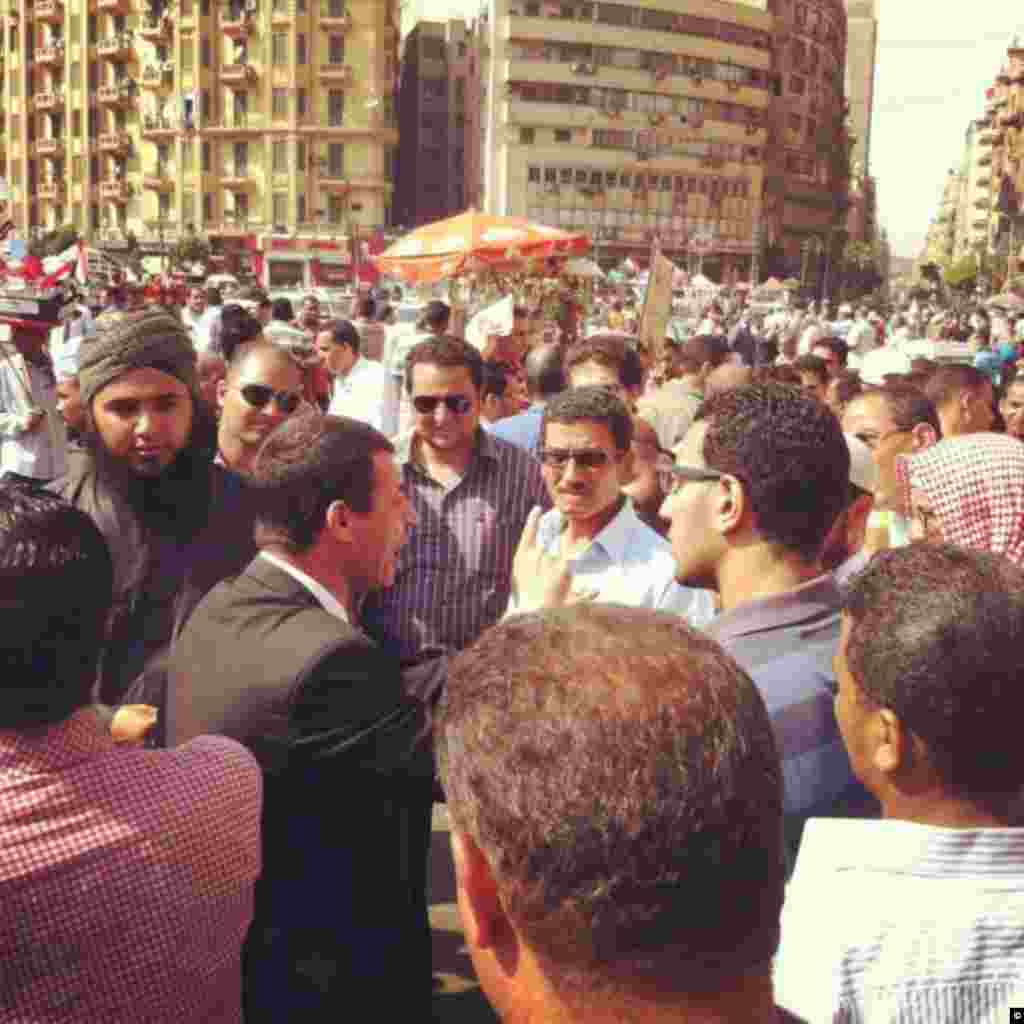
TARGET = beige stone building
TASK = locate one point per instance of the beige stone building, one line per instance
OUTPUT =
(250, 122)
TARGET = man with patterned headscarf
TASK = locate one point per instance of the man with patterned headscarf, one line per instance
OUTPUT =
(176, 524)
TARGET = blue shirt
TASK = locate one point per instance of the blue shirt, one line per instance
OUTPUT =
(786, 642)
(989, 363)
(523, 430)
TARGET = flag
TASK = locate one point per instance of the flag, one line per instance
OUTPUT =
(56, 268)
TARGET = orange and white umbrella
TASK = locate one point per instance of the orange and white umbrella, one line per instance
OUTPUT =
(471, 241)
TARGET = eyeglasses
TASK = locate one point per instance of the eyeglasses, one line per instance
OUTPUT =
(457, 404)
(671, 477)
(258, 395)
(874, 440)
(584, 458)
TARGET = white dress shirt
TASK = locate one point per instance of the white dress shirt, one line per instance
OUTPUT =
(330, 603)
(628, 563)
(39, 453)
(890, 921)
(367, 393)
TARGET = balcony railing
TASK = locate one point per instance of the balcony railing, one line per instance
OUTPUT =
(115, 189)
(155, 29)
(153, 124)
(49, 10)
(116, 46)
(115, 142)
(334, 15)
(50, 54)
(52, 190)
(50, 145)
(338, 74)
(49, 100)
(239, 73)
(116, 94)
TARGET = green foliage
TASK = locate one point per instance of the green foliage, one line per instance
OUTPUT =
(963, 274)
(54, 242)
(190, 248)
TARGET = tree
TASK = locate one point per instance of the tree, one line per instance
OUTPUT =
(963, 274)
(54, 242)
(190, 248)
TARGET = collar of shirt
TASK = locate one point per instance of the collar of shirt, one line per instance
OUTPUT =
(407, 451)
(816, 599)
(77, 738)
(612, 541)
(905, 847)
(330, 603)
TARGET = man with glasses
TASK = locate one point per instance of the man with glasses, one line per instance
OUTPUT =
(612, 556)
(264, 385)
(763, 475)
(362, 388)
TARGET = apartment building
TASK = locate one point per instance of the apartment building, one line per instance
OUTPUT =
(266, 126)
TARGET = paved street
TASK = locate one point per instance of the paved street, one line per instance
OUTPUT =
(458, 999)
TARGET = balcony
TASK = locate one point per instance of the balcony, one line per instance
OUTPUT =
(236, 177)
(335, 183)
(158, 180)
(334, 16)
(117, 47)
(155, 29)
(115, 143)
(52, 190)
(49, 100)
(51, 146)
(336, 74)
(157, 76)
(116, 95)
(50, 56)
(236, 23)
(156, 127)
(114, 6)
(237, 122)
(115, 189)
(49, 10)
(238, 74)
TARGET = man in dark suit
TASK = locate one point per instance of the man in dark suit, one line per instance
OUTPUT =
(275, 658)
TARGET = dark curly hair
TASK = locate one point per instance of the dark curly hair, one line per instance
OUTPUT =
(591, 403)
(448, 352)
(789, 452)
(937, 636)
(612, 351)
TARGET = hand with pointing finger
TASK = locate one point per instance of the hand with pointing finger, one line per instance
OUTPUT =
(541, 580)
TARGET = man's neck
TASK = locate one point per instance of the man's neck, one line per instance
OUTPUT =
(755, 570)
(443, 464)
(939, 809)
(325, 571)
(237, 456)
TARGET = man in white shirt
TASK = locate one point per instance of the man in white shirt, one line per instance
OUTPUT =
(593, 531)
(919, 917)
(363, 389)
(862, 338)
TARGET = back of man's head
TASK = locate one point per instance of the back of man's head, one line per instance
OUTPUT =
(304, 466)
(545, 375)
(282, 309)
(611, 351)
(936, 635)
(948, 382)
(703, 350)
(788, 451)
(617, 772)
(56, 589)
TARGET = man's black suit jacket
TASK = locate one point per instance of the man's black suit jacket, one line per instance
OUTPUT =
(340, 909)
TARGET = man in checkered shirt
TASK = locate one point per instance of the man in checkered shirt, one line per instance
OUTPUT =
(126, 875)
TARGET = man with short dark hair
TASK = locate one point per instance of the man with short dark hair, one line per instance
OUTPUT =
(362, 389)
(593, 530)
(127, 875)
(264, 385)
(814, 377)
(924, 908)
(963, 397)
(545, 378)
(1011, 407)
(834, 352)
(471, 492)
(764, 475)
(606, 360)
(277, 659)
(615, 798)
(496, 402)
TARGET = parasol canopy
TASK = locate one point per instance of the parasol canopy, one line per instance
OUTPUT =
(472, 240)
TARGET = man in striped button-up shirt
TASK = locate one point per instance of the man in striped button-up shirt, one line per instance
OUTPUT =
(471, 493)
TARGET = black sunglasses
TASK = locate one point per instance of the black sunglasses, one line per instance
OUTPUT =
(258, 395)
(457, 404)
(585, 458)
(671, 478)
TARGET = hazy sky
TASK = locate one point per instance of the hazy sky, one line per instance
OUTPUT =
(935, 60)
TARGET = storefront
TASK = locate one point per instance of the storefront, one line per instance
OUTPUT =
(290, 263)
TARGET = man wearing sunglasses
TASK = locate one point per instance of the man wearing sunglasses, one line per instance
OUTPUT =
(614, 558)
(763, 474)
(263, 387)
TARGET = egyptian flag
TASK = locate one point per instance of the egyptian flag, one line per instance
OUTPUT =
(56, 268)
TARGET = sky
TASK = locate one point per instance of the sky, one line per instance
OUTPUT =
(935, 60)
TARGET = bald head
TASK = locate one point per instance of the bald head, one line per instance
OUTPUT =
(728, 376)
(264, 354)
(545, 376)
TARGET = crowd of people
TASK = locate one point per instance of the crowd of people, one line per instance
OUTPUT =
(712, 653)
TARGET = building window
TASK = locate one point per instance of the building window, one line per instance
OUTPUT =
(76, 124)
(207, 206)
(563, 135)
(204, 8)
(94, 29)
(300, 103)
(300, 156)
(279, 49)
(241, 208)
(300, 208)
(204, 51)
(527, 136)
(279, 104)
(280, 208)
(241, 162)
(336, 160)
(188, 206)
(280, 156)
(94, 216)
(334, 208)
(187, 154)
(533, 174)
(300, 48)
(335, 108)
(94, 168)
(336, 49)
(204, 105)
(94, 75)
(205, 156)
(187, 54)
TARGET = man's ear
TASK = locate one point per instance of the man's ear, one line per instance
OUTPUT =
(222, 390)
(338, 520)
(923, 436)
(731, 506)
(889, 742)
(483, 916)
(627, 470)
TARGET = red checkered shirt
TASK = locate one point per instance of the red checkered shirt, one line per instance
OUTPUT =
(126, 877)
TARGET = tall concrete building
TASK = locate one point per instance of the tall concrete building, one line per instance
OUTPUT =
(262, 125)
(861, 54)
